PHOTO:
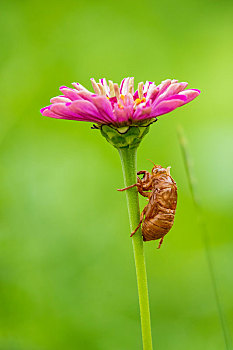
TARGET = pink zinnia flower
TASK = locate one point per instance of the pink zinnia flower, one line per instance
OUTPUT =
(119, 106)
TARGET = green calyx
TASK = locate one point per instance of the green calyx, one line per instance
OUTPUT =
(125, 136)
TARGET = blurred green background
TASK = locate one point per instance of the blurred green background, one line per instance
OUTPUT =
(67, 273)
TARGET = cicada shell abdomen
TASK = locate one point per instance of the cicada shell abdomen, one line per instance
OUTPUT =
(160, 211)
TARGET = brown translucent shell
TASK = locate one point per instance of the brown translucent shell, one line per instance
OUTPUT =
(157, 217)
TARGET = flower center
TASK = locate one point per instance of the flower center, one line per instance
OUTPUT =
(138, 101)
(123, 95)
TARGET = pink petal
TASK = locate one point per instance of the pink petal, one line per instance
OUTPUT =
(47, 113)
(168, 105)
(175, 88)
(128, 100)
(152, 93)
(142, 113)
(58, 99)
(86, 110)
(135, 96)
(171, 90)
(104, 107)
(190, 94)
(61, 109)
(86, 96)
(44, 109)
(121, 86)
(125, 87)
(79, 87)
(123, 114)
(164, 85)
(70, 93)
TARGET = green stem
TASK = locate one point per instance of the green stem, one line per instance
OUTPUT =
(128, 161)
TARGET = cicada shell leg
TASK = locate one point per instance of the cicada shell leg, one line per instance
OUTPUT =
(138, 184)
(127, 188)
(160, 242)
(140, 222)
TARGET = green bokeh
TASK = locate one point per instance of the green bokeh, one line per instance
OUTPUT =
(67, 272)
